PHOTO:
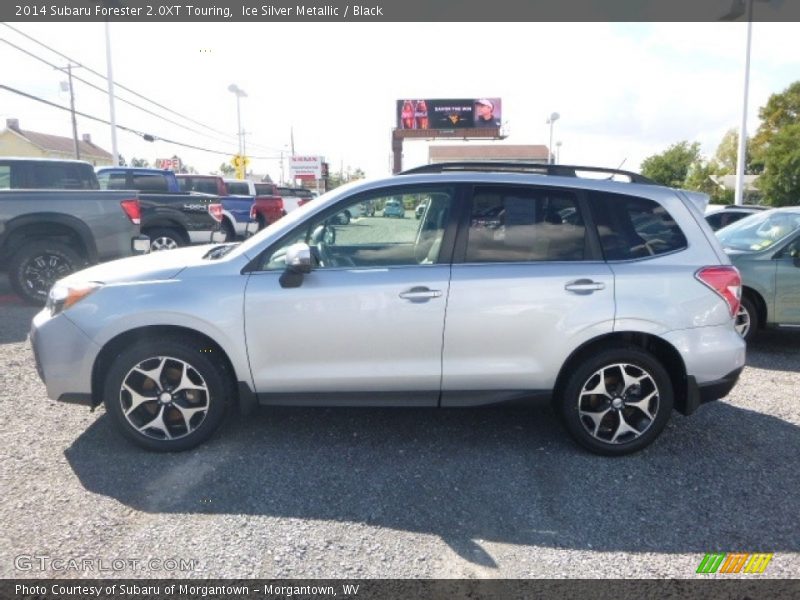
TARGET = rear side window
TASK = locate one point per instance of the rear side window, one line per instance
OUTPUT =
(518, 224)
(5, 177)
(112, 181)
(631, 227)
(203, 186)
(238, 188)
(63, 176)
(150, 183)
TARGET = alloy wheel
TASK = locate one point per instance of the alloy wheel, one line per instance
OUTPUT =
(163, 243)
(164, 398)
(618, 403)
(743, 322)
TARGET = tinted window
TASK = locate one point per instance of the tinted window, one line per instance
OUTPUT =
(57, 176)
(266, 189)
(5, 177)
(237, 188)
(112, 181)
(150, 183)
(517, 224)
(631, 227)
(204, 186)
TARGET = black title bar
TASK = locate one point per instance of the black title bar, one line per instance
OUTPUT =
(495, 11)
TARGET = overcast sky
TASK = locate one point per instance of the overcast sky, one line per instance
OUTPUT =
(624, 91)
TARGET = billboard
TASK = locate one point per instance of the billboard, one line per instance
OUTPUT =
(436, 114)
(306, 167)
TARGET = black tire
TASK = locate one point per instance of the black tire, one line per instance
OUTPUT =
(165, 238)
(586, 379)
(34, 268)
(747, 312)
(186, 434)
(230, 231)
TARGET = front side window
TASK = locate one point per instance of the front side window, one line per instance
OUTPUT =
(355, 236)
(519, 224)
(630, 227)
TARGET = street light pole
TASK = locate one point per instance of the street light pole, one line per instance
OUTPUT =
(239, 95)
(112, 113)
(553, 118)
(740, 157)
(558, 152)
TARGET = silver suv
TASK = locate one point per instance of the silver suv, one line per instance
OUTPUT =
(612, 298)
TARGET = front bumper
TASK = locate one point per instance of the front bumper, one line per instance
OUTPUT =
(64, 357)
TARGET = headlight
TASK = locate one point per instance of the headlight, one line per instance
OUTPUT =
(62, 296)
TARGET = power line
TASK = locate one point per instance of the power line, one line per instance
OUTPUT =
(96, 87)
(145, 136)
(127, 89)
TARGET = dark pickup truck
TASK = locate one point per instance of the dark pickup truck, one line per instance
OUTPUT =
(170, 217)
(54, 220)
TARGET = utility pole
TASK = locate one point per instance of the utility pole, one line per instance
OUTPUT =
(72, 110)
(112, 112)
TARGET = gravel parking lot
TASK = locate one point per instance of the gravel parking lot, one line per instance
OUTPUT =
(494, 492)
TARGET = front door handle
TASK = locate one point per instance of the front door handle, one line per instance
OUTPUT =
(420, 294)
(584, 286)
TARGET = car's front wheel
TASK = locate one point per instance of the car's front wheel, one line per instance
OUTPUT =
(166, 394)
(617, 401)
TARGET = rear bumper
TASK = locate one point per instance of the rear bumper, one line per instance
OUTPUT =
(701, 393)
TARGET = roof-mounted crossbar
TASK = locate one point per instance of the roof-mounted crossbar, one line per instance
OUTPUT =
(523, 167)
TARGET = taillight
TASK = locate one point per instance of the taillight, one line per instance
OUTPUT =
(215, 210)
(726, 281)
(302, 201)
(133, 210)
(253, 211)
(279, 204)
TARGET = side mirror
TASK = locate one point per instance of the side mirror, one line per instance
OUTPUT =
(298, 263)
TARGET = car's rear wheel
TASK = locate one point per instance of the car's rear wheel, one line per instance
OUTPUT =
(746, 322)
(166, 394)
(617, 401)
(34, 268)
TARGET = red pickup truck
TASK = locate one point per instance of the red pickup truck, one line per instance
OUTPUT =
(268, 206)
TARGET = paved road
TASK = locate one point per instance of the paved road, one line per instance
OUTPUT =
(494, 492)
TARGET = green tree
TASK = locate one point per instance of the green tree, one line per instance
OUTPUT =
(226, 169)
(335, 179)
(672, 166)
(781, 110)
(728, 153)
(780, 181)
(140, 162)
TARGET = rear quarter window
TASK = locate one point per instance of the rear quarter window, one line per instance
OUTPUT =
(630, 227)
(238, 189)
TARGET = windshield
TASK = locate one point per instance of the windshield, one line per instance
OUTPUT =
(760, 231)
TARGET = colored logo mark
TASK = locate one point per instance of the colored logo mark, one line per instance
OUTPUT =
(734, 562)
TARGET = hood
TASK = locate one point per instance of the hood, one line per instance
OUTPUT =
(148, 267)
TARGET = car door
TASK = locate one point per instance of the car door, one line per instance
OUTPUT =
(365, 325)
(787, 284)
(527, 287)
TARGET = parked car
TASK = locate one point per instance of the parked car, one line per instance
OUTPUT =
(54, 220)
(293, 197)
(237, 207)
(765, 247)
(170, 218)
(617, 330)
(394, 208)
(268, 206)
(722, 215)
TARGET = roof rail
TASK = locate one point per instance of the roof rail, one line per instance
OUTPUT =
(524, 167)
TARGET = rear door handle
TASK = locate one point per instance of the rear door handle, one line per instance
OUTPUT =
(584, 286)
(420, 294)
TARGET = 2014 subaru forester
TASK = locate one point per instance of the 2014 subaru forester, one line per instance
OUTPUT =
(612, 298)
